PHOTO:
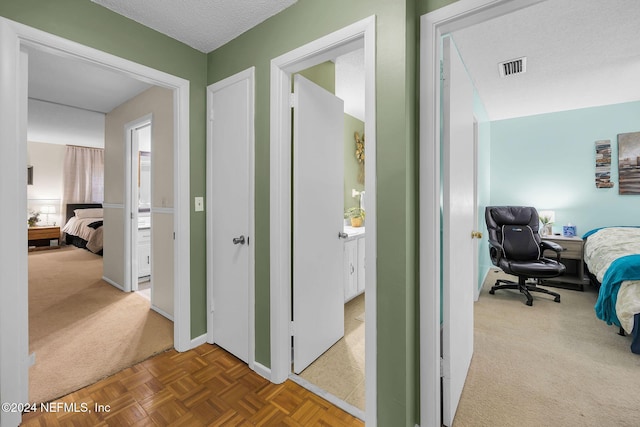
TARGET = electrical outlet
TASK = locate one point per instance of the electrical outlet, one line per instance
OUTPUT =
(199, 204)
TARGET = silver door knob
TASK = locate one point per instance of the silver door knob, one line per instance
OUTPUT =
(238, 240)
(342, 235)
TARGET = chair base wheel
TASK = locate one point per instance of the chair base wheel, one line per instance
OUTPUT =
(557, 299)
(529, 303)
(492, 292)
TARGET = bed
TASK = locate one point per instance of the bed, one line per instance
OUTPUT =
(612, 257)
(84, 226)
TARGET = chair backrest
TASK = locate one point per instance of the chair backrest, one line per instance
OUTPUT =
(516, 229)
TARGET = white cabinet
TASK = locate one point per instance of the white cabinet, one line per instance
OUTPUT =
(354, 261)
(350, 269)
(360, 264)
(144, 252)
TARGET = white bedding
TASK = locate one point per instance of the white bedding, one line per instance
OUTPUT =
(80, 227)
(600, 250)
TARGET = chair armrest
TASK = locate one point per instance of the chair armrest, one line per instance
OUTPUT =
(545, 244)
(496, 251)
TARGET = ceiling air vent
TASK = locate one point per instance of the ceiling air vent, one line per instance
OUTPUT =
(513, 66)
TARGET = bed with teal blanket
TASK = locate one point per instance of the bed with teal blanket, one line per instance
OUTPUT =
(612, 255)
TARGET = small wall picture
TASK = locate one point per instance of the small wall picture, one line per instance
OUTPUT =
(629, 163)
(603, 164)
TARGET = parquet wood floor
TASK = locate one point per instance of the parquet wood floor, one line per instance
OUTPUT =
(205, 386)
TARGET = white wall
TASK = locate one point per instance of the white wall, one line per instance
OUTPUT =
(47, 161)
(63, 125)
(50, 127)
(159, 102)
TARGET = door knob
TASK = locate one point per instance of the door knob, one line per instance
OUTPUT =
(342, 235)
(476, 235)
(238, 240)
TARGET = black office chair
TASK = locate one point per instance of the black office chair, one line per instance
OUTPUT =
(515, 247)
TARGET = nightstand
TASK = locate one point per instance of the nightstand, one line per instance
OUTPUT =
(41, 238)
(572, 258)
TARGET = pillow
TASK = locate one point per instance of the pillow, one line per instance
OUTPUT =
(89, 213)
(96, 224)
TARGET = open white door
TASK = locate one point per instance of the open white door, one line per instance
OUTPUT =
(230, 212)
(458, 223)
(318, 205)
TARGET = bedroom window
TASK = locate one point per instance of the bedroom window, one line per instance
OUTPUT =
(83, 175)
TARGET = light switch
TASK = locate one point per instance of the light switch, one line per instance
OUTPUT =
(199, 204)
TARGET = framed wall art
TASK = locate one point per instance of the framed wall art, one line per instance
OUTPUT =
(603, 164)
(629, 163)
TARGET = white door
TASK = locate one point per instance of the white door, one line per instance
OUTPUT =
(458, 223)
(229, 218)
(318, 204)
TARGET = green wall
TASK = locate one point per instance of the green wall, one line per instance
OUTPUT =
(351, 165)
(324, 75)
(397, 151)
(92, 25)
(396, 25)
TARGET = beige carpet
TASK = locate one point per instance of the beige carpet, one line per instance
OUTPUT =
(81, 328)
(548, 365)
(340, 370)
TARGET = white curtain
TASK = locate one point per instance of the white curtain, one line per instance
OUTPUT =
(83, 175)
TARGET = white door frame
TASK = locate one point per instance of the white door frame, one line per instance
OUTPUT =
(325, 48)
(455, 16)
(13, 263)
(248, 74)
(476, 224)
(130, 205)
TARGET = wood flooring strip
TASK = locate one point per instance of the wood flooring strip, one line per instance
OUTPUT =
(205, 386)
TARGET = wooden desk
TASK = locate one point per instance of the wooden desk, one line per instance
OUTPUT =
(40, 238)
(572, 258)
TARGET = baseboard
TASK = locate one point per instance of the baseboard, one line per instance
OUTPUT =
(476, 293)
(111, 282)
(161, 312)
(356, 412)
(262, 370)
(198, 341)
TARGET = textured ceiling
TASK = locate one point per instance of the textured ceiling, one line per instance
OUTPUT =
(580, 53)
(202, 24)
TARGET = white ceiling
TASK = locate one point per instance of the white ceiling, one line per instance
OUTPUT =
(580, 53)
(79, 84)
(350, 82)
(202, 24)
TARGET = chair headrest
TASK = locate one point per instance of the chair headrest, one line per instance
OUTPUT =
(497, 216)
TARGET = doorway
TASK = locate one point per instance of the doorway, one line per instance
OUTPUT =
(432, 27)
(338, 366)
(360, 34)
(138, 158)
(14, 305)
